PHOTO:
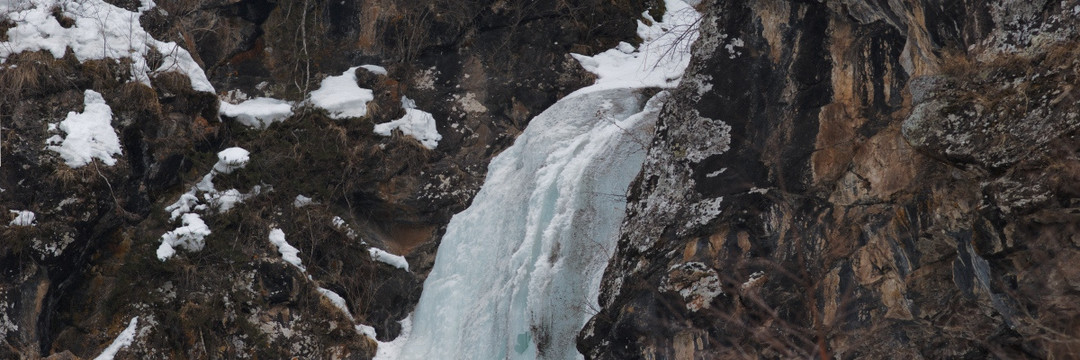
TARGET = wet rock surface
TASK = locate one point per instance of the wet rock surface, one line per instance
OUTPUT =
(888, 180)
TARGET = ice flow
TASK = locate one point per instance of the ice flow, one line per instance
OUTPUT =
(517, 273)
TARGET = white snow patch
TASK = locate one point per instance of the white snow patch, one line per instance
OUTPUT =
(123, 340)
(367, 331)
(338, 221)
(187, 202)
(190, 236)
(416, 123)
(101, 31)
(341, 96)
(22, 218)
(382, 256)
(207, 182)
(145, 5)
(302, 201)
(288, 252)
(340, 224)
(89, 134)
(231, 159)
(391, 350)
(659, 61)
(337, 301)
(224, 201)
(374, 69)
(259, 112)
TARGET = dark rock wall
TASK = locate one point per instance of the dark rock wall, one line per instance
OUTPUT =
(851, 179)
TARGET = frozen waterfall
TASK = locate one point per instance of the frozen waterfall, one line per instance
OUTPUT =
(517, 273)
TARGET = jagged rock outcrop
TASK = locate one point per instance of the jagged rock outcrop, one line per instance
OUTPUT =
(75, 276)
(850, 179)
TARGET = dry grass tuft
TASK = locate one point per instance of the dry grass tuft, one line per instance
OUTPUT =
(36, 73)
(140, 98)
(1010, 85)
(5, 24)
(414, 151)
(106, 73)
(64, 20)
(154, 58)
(956, 63)
(65, 175)
(171, 83)
(15, 78)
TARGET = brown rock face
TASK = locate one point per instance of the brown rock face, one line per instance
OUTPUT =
(894, 180)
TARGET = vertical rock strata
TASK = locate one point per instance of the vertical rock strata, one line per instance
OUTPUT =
(858, 179)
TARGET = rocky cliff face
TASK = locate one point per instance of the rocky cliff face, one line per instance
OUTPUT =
(74, 276)
(848, 179)
(852, 179)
